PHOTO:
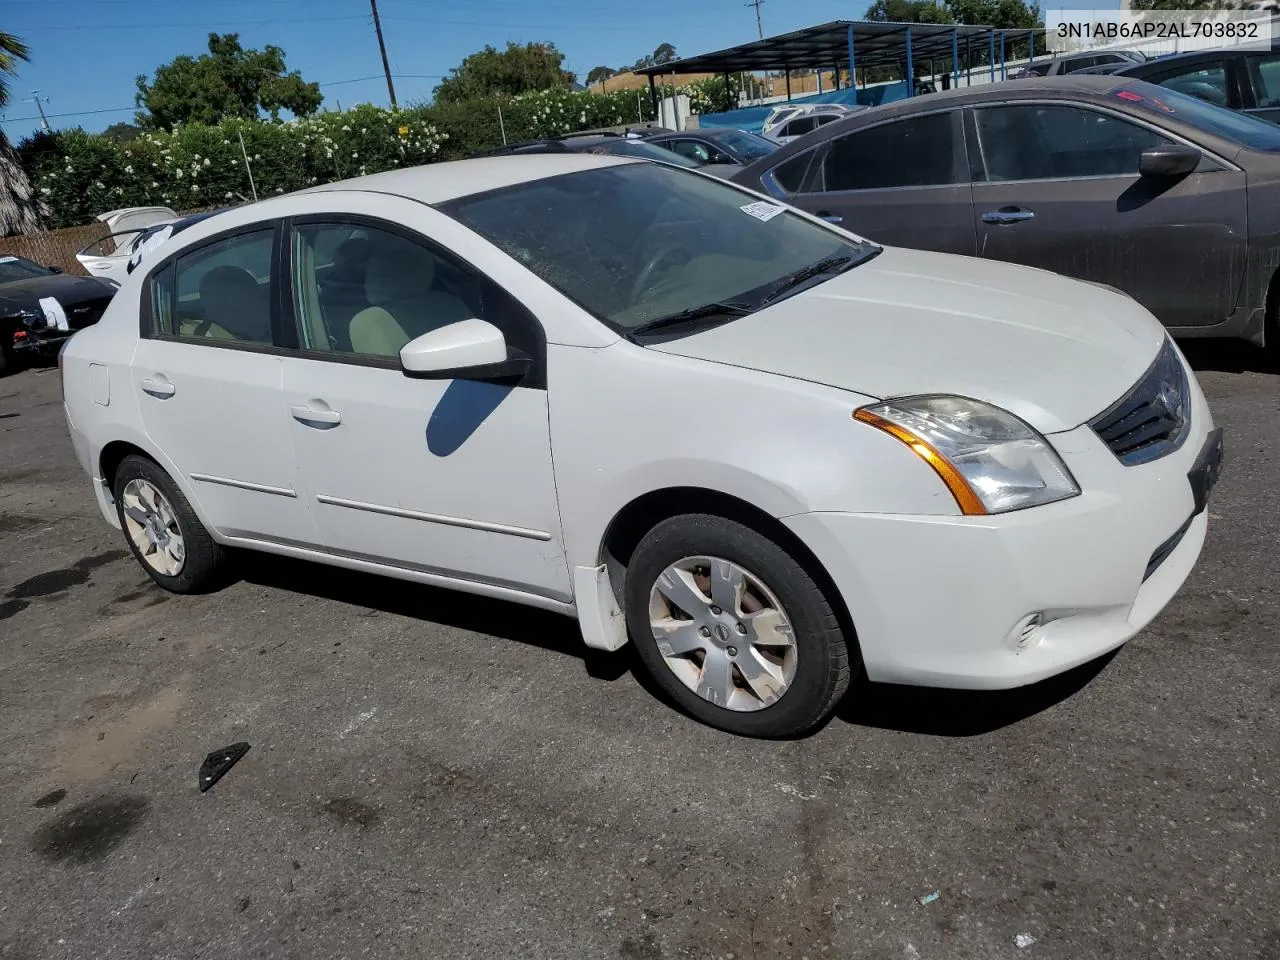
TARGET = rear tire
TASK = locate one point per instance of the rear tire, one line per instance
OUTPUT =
(162, 530)
(774, 664)
(8, 356)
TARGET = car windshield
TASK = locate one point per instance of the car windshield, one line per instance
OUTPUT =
(1239, 128)
(639, 243)
(745, 144)
(13, 269)
(645, 151)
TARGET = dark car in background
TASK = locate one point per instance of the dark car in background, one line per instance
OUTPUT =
(720, 146)
(1161, 195)
(1078, 63)
(1244, 80)
(40, 307)
(616, 144)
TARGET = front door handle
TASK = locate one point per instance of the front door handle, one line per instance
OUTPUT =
(1007, 215)
(313, 417)
(160, 388)
(830, 217)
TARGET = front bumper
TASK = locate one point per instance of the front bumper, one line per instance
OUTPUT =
(944, 600)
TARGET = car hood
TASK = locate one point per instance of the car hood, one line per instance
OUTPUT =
(1051, 350)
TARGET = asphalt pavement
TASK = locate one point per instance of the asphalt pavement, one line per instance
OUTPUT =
(434, 775)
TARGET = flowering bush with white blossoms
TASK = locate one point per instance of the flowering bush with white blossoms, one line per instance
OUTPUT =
(80, 175)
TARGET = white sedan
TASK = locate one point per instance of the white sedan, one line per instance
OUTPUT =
(769, 452)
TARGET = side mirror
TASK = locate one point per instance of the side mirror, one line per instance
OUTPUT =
(466, 350)
(1172, 160)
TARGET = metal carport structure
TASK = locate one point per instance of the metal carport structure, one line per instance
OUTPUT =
(851, 44)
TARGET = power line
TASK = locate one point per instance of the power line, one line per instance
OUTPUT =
(168, 26)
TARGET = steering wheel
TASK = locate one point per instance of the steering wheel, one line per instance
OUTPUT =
(646, 272)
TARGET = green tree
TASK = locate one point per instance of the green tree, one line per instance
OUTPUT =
(122, 132)
(228, 81)
(908, 11)
(12, 50)
(600, 74)
(1005, 14)
(518, 69)
(665, 53)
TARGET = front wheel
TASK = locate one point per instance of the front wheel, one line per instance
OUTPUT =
(734, 629)
(163, 531)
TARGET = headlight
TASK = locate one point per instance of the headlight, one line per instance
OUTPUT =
(990, 460)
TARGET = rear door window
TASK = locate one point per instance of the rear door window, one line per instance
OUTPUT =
(913, 152)
(800, 126)
(221, 291)
(1265, 73)
(1207, 81)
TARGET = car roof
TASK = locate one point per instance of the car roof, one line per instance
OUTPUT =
(440, 182)
(1173, 59)
(1089, 85)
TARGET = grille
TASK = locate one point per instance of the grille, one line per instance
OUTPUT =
(1151, 420)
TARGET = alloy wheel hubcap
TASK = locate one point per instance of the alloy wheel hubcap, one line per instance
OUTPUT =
(152, 525)
(723, 633)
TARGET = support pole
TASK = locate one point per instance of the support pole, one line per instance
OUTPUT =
(382, 47)
(853, 77)
(911, 68)
(991, 55)
(653, 97)
(968, 61)
(1031, 47)
(788, 76)
(1003, 73)
(955, 57)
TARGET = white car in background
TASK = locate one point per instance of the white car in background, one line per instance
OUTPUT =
(788, 121)
(770, 453)
(108, 257)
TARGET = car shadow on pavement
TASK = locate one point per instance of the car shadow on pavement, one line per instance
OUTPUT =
(1227, 356)
(959, 713)
(464, 611)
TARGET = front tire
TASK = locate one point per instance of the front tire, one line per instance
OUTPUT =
(8, 356)
(734, 629)
(162, 530)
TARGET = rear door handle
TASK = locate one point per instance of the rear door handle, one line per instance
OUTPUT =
(313, 417)
(1007, 215)
(830, 217)
(160, 388)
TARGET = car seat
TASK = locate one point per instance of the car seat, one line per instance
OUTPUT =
(402, 304)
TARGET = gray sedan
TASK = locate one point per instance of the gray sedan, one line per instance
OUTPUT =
(1166, 197)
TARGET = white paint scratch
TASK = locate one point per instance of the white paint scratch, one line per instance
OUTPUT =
(794, 791)
(133, 897)
(1023, 940)
(357, 722)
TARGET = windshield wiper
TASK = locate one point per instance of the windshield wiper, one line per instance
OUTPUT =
(829, 265)
(720, 308)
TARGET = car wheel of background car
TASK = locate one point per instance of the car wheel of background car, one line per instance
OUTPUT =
(733, 628)
(163, 531)
(8, 357)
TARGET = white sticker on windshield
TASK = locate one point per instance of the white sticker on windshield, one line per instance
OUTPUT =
(762, 210)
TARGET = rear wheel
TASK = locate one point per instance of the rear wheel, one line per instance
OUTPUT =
(733, 628)
(163, 531)
(8, 356)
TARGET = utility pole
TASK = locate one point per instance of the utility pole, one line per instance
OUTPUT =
(382, 47)
(40, 101)
(759, 25)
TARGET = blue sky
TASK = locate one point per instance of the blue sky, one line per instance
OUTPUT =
(86, 53)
